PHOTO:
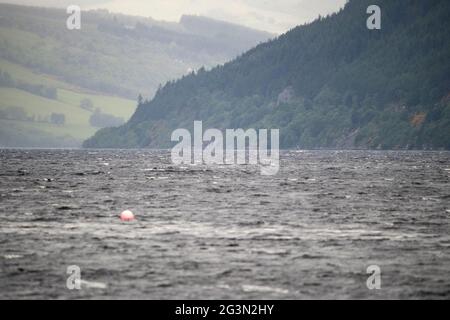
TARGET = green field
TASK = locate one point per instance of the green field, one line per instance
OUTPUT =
(76, 128)
(24, 74)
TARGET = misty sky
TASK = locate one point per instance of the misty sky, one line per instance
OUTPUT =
(272, 15)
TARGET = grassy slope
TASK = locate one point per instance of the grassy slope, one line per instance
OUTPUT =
(69, 97)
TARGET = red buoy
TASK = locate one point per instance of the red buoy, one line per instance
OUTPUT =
(127, 216)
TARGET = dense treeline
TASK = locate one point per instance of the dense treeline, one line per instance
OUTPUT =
(47, 92)
(19, 114)
(331, 83)
(102, 120)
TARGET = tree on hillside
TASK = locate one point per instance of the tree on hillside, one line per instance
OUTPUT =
(103, 120)
(87, 104)
(6, 80)
(58, 119)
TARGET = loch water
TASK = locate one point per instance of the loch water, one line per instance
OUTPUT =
(224, 232)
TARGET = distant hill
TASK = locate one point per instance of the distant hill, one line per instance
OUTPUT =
(47, 71)
(117, 54)
(329, 84)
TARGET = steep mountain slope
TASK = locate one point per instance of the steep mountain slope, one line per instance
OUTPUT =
(332, 83)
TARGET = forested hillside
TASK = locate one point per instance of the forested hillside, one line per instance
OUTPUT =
(329, 84)
(58, 87)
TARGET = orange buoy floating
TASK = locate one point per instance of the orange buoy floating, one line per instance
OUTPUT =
(127, 216)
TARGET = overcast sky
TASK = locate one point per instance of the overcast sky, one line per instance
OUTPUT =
(271, 15)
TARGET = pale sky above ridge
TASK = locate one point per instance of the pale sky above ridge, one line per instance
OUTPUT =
(275, 16)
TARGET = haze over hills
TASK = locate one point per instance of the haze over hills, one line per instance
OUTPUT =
(329, 84)
(57, 86)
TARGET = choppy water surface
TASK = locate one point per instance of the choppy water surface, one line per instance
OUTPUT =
(224, 232)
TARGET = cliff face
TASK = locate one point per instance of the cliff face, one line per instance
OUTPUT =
(332, 83)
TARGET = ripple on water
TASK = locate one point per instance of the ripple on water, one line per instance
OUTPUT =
(264, 289)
